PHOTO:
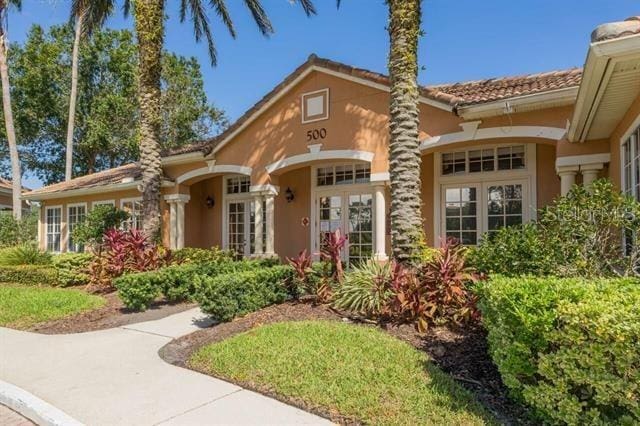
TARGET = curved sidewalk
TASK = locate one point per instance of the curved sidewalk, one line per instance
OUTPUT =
(115, 377)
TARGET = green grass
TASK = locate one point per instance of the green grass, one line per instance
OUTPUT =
(24, 306)
(359, 372)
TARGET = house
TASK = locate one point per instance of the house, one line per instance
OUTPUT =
(6, 196)
(312, 156)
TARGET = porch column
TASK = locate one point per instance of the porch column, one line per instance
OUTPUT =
(180, 224)
(269, 244)
(590, 173)
(567, 178)
(172, 224)
(380, 218)
(259, 225)
(176, 219)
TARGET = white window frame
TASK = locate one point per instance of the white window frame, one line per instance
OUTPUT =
(632, 132)
(46, 227)
(132, 200)
(341, 190)
(236, 197)
(527, 176)
(69, 230)
(496, 161)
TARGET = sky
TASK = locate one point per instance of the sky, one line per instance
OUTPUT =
(463, 40)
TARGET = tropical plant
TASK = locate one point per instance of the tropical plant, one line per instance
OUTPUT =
(302, 266)
(149, 24)
(16, 174)
(24, 254)
(91, 232)
(18, 231)
(366, 289)
(331, 251)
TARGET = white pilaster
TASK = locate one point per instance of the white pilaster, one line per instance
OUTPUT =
(380, 218)
(269, 244)
(567, 178)
(590, 173)
(172, 225)
(180, 224)
(176, 219)
(259, 225)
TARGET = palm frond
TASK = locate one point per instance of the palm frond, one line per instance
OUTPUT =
(308, 7)
(201, 26)
(94, 13)
(260, 16)
(221, 9)
(126, 7)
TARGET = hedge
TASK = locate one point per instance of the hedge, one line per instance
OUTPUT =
(72, 268)
(570, 348)
(29, 275)
(230, 295)
(176, 283)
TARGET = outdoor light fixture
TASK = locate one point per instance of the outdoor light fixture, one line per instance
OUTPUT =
(210, 201)
(289, 195)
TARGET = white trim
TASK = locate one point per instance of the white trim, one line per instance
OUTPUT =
(210, 170)
(68, 227)
(265, 188)
(338, 154)
(46, 209)
(379, 177)
(528, 175)
(576, 160)
(183, 198)
(92, 190)
(303, 107)
(103, 203)
(189, 157)
(630, 130)
(132, 200)
(542, 132)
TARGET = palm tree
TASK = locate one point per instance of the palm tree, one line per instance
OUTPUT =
(404, 152)
(149, 24)
(16, 174)
(88, 15)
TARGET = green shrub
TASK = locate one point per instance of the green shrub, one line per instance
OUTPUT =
(14, 232)
(230, 295)
(29, 275)
(176, 283)
(512, 251)
(72, 268)
(97, 222)
(24, 254)
(567, 347)
(198, 255)
(366, 289)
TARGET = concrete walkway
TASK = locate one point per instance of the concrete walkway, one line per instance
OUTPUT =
(115, 377)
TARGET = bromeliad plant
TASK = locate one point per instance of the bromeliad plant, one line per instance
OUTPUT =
(331, 251)
(302, 267)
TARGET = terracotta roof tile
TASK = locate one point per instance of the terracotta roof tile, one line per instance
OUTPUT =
(6, 184)
(613, 30)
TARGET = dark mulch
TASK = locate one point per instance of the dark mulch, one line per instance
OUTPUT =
(112, 314)
(461, 352)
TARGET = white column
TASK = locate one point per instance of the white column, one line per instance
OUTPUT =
(172, 225)
(590, 173)
(258, 225)
(567, 178)
(269, 244)
(380, 218)
(180, 223)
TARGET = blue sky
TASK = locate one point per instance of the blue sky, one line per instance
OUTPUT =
(464, 39)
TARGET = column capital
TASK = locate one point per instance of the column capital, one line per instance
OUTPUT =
(266, 189)
(381, 178)
(567, 170)
(177, 198)
(591, 167)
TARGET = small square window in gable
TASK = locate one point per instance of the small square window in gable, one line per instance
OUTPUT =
(315, 106)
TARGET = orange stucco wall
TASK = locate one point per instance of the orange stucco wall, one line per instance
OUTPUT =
(292, 235)
(203, 227)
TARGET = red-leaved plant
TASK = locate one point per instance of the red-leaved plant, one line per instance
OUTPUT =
(122, 252)
(331, 251)
(302, 266)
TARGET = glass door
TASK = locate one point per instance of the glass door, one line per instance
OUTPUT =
(237, 229)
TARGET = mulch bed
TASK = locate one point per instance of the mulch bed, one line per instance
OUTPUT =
(112, 314)
(461, 352)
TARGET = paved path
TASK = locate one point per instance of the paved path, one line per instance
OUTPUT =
(8, 417)
(115, 377)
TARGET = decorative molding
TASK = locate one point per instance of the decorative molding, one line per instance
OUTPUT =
(381, 177)
(576, 160)
(553, 133)
(213, 169)
(324, 114)
(338, 154)
(265, 189)
(314, 148)
(177, 198)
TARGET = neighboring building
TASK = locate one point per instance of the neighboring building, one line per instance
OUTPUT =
(6, 196)
(312, 156)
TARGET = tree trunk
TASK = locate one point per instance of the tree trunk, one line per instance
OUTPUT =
(16, 174)
(68, 171)
(404, 148)
(149, 17)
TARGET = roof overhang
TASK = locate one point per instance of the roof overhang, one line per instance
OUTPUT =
(90, 191)
(516, 104)
(610, 83)
(186, 158)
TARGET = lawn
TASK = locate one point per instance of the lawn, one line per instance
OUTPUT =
(24, 306)
(330, 367)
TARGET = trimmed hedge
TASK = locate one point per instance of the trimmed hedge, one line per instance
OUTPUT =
(230, 295)
(199, 255)
(570, 348)
(72, 268)
(29, 275)
(176, 283)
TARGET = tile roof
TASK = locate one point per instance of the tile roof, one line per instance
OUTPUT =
(106, 177)
(613, 30)
(6, 184)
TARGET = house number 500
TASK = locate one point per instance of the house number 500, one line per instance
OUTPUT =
(316, 134)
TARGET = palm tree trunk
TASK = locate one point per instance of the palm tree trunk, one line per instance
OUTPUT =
(149, 17)
(404, 152)
(16, 175)
(72, 100)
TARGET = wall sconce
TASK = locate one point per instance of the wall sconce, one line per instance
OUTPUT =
(289, 195)
(210, 201)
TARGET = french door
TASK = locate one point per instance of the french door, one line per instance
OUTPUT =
(352, 213)
(241, 226)
(470, 209)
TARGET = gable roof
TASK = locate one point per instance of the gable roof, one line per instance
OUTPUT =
(448, 96)
(6, 184)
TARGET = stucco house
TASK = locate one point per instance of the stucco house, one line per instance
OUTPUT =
(6, 196)
(312, 156)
